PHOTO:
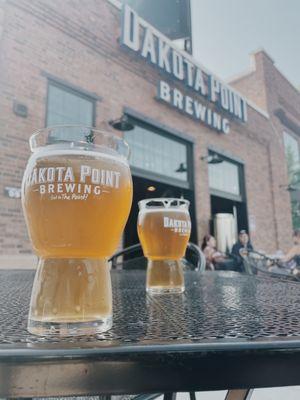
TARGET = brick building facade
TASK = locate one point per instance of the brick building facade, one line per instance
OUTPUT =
(70, 47)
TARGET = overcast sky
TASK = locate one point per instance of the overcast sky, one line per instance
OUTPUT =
(226, 31)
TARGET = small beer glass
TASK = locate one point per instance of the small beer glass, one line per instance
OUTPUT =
(164, 228)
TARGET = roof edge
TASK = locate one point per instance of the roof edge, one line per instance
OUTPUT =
(262, 50)
(241, 75)
(257, 108)
(116, 3)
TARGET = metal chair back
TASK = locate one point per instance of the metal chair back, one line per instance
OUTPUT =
(133, 258)
(260, 264)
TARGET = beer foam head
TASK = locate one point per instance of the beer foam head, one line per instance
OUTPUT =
(165, 210)
(78, 136)
(164, 203)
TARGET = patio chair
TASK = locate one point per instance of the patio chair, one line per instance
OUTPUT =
(133, 258)
(248, 266)
(259, 264)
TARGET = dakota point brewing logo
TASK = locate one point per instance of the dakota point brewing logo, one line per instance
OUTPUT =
(177, 225)
(63, 183)
(221, 101)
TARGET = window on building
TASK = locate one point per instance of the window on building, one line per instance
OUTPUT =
(224, 177)
(157, 153)
(67, 106)
(291, 148)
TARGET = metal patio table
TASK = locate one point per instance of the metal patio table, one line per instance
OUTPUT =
(226, 331)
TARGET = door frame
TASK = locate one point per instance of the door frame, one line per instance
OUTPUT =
(164, 130)
(242, 198)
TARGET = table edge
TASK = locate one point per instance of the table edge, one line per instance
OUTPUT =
(228, 346)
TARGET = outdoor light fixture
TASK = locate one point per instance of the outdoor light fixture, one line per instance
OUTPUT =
(122, 124)
(181, 168)
(151, 188)
(289, 188)
(212, 159)
(294, 192)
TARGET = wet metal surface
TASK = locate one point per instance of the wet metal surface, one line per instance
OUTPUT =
(214, 307)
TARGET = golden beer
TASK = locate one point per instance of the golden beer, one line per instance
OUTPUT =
(76, 201)
(70, 214)
(164, 228)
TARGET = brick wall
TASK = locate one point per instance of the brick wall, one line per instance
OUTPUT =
(2, 13)
(269, 88)
(80, 45)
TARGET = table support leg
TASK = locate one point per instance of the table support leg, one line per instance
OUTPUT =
(170, 396)
(192, 396)
(239, 394)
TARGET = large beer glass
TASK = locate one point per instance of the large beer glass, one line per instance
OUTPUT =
(76, 196)
(164, 228)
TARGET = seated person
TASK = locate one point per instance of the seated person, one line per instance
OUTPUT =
(240, 248)
(213, 257)
(292, 258)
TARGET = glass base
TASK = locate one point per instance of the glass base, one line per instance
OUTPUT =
(164, 276)
(164, 290)
(69, 328)
(71, 297)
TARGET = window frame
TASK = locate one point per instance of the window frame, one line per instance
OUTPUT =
(241, 178)
(143, 173)
(294, 195)
(294, 137)
(69, 89)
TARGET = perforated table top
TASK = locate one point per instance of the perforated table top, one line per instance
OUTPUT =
(226, 330)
